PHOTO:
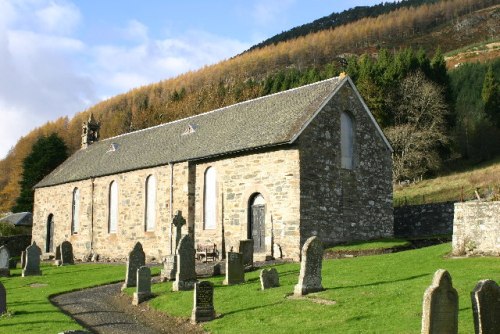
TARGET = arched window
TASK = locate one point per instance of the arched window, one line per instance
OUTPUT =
(113, 207)
(347, 141)
(210, 199)
(150, 203)
(75, 221)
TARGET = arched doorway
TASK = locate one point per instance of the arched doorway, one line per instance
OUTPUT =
(257, 222)
(49, 241)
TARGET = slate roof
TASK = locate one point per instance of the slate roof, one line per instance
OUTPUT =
(19, 219)
(265, 121)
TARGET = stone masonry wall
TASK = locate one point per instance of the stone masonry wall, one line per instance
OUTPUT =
(425, 220)
(340, 205)
(476, 228)
(94, 204)
(274, 174)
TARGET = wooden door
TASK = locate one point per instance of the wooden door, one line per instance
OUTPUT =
(49, 245)
(259, 228)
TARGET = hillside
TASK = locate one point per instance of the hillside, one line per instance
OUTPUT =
(448, 24)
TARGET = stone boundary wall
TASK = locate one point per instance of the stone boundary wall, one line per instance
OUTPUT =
(476, 228)
(16, 243)
(424, 220)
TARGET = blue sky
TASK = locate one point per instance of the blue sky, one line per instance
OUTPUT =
(59, 57)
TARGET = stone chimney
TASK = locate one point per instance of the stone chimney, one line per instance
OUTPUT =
(90, 131)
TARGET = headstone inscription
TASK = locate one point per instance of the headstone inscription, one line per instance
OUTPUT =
(3, 299)
(310, 267)
(32, 266)
(66, 250)
(269, 278)
(440, 305)
(486, 307)
(203, 308)
(186, 271)
(235, 272)
(143, 290)
(246, 249)
(4, 261)
(136, 259)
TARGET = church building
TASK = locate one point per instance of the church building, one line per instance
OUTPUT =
(277, 169)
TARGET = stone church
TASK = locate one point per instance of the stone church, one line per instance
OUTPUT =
(277, 169)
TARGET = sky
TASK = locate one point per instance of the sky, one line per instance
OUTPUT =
(59, 57)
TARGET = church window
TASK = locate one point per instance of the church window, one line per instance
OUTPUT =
(150, 203)
(113, 207)
(75, 222)
(347, 140)
(210, 199)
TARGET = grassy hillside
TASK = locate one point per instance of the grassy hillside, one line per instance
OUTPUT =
(458, 185)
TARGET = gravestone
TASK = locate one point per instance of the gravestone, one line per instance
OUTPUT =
(136, 259)
(310, 267)
(32, 265)
(57, 260)
(203, 308)
(143, 291)
(277, 253)
(186, 273)
(66, 250)
(23, 259)
(486, 307)
(269, 278)
(246, 249)
(3, 299)
(178, 222)
(440, 306)
(169, 268)
(4, 261)
(235, 272)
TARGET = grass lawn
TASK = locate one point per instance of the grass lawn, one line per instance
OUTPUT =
(28, 305)
(373, 294)
(372, 245)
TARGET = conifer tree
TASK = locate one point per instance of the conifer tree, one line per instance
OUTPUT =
(491, 97)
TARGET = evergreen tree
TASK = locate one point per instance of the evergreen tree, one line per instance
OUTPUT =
(491, 97)
(47, 153)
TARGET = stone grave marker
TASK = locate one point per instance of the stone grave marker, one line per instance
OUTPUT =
(440, 306)
(23, 259)
(3, 299)
(203, 308)
(246, 249)
(486, 307)
(4, 261)
(169, 268)
(32, 265)
(269, 278)
(57, 260)
(178, 222)
(186, 273)
(235, 272)
(310, 268)
(143, 291)
(66, 250)
(136, 259)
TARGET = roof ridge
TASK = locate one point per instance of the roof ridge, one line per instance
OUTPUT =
(222, 108)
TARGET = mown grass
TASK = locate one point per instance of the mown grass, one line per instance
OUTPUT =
(28, 305)
(371, 245)
(485, 178)
(373, 294)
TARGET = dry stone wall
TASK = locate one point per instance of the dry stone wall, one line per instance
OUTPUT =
(476, 228)
(414, 221)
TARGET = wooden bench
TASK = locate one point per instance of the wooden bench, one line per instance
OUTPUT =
(207, 252)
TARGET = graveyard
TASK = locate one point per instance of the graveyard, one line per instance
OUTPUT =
(380, 293)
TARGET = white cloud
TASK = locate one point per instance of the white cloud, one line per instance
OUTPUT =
(58, 17)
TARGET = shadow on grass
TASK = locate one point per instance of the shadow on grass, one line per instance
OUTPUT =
(251, 308)
(381, 282)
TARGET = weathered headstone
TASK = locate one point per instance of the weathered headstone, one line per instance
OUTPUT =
(440, 306)
(269, 278)
(486, 307)
(136, 259)
(178, 222)
(246, 249)
(66, 249)
(4, 261)
(143, 291)
(277, 253)
(169, 268)
(3, 299)
(186, 273)
(310, 267)
(32, 266)
(57, 260)
(203, 308)
(23, 259)
(235, 272)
